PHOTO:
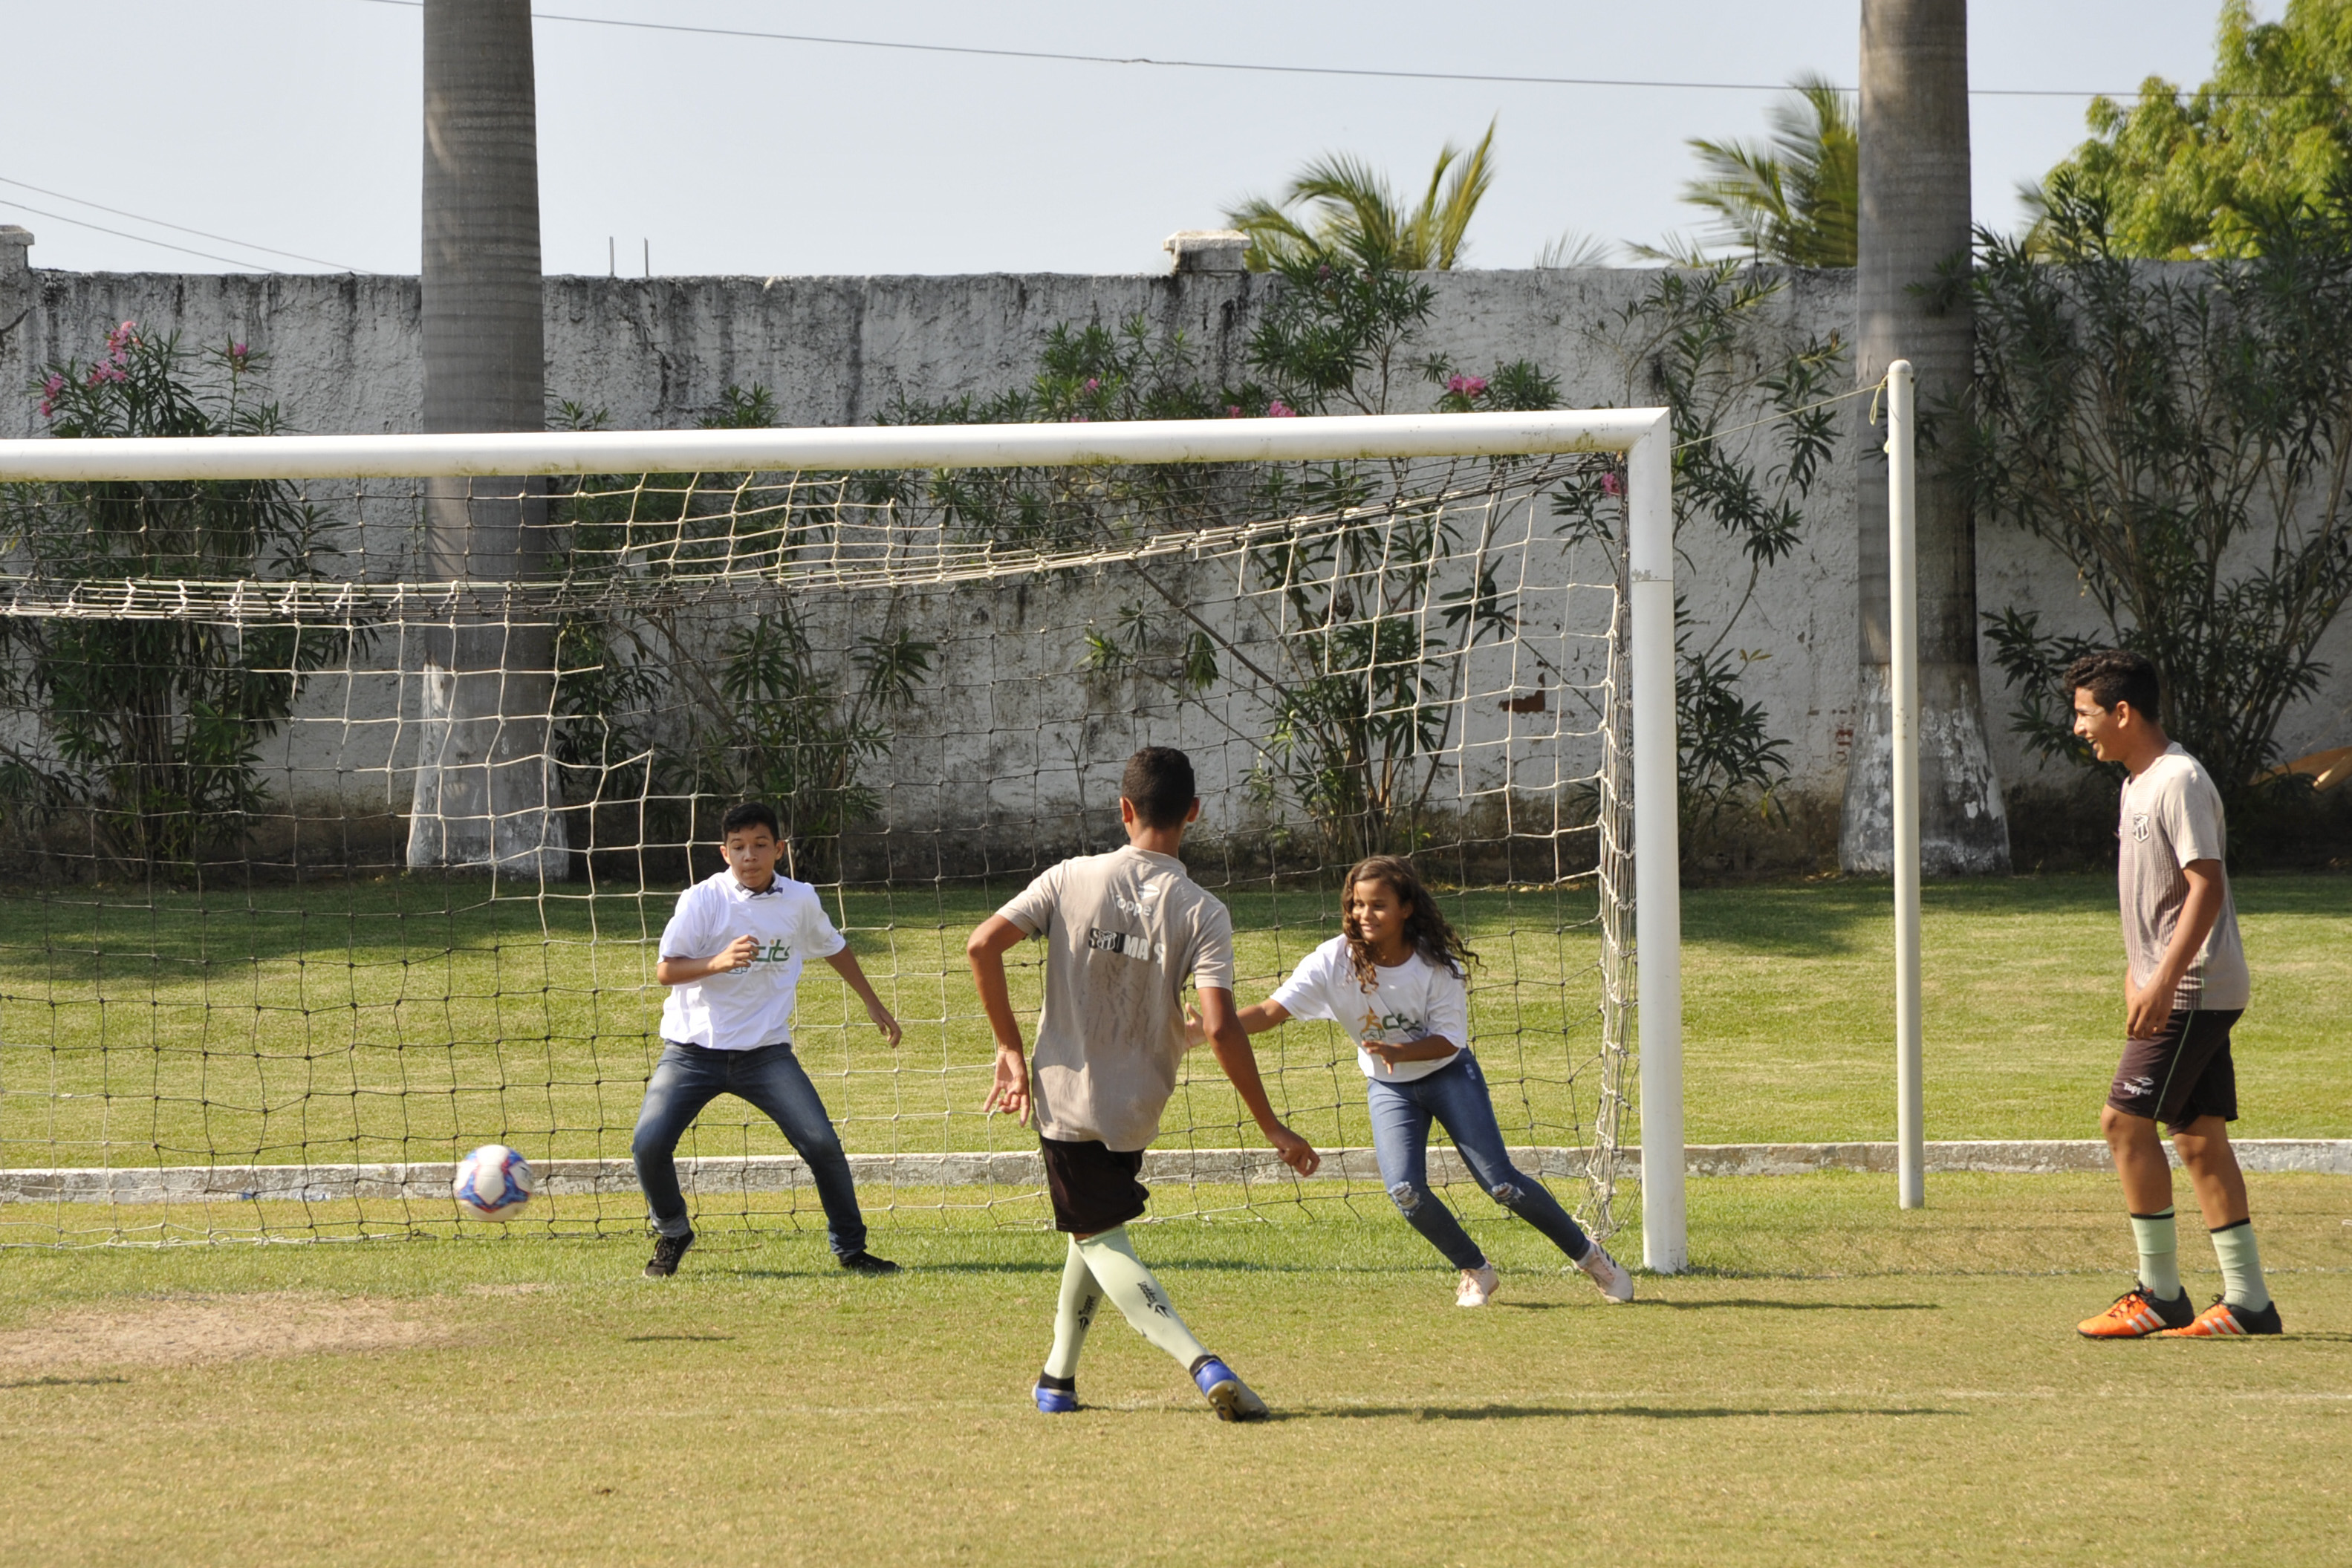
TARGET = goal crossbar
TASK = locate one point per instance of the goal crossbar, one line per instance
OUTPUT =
(1333, 438)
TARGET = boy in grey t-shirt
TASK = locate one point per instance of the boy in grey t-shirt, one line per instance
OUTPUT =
(2185, 985)
(1123, 931)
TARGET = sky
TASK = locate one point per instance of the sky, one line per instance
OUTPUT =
(295, 124)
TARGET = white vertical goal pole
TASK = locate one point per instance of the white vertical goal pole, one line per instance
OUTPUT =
(1902, 636)
(1657, 851)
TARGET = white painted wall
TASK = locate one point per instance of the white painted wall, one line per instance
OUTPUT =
(834, 350)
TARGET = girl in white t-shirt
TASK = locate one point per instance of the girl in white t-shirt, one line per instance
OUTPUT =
(1396, 982)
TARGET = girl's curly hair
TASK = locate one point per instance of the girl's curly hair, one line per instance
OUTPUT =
(1425, 929)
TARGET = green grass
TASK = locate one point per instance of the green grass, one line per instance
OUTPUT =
(402, 1020)
(1839, 1381)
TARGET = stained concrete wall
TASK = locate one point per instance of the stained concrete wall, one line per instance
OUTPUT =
(835, 350)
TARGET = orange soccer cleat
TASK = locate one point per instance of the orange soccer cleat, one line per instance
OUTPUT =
(2223, 1321)
(2136, 1315)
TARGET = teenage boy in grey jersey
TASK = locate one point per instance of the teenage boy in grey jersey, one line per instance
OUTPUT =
(2185, 985)
(1124, 931)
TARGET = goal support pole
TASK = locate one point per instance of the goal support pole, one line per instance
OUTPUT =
(1657, 846)
(1903, 636)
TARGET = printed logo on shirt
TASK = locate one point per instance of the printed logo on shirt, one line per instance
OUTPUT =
(2139, 827)
(1378, 1026)
(1140, 911)
(773, 953)
(1127, 946)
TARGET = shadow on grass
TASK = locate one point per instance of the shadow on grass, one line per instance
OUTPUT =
(674, 1338)
(1617, 1412)
(62, 1382)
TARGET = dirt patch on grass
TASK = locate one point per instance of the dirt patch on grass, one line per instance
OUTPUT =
(188, 1331)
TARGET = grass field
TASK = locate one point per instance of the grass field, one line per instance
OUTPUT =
(385, 1022)
(1836, 1381)
(1839, 1383)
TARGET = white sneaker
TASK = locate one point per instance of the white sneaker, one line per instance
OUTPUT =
(1477, 1287)
(1608, 1273)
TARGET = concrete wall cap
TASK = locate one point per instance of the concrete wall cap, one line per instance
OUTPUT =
(1207, 250)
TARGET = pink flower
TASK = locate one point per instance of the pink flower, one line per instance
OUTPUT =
(1278, 409)
(119, 342)
(1466, 386)
(1094, 384)
(1081, 419)
(1610, 485)
(51, 389)
(1233, 410)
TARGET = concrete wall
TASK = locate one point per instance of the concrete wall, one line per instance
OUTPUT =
(834, 350)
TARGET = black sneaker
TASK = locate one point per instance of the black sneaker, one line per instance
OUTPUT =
(864, 1262)
(667, 1250)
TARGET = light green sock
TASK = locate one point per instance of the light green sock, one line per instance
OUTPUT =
(1080, 1296)
(2241, 1267)
(2160, 1253)
(1129, 1285)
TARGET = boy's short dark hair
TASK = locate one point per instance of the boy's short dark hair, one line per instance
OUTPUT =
(2118, 676)
(1158, 780)
(750, 814)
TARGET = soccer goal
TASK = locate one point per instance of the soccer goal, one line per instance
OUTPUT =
(346, 783)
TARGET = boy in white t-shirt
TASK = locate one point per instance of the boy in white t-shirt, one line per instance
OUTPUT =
(1124, 932)
(1394, 981)
(732, 955)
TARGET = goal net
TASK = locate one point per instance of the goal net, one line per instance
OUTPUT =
(342, 808)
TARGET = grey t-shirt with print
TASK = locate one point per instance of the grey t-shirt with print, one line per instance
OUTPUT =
(1123, 933)
(2172, 816)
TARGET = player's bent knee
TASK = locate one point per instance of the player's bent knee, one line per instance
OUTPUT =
(1510, 1195)
(1406, 1196)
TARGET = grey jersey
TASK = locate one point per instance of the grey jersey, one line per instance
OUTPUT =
(2172, 816)
(1124, 931)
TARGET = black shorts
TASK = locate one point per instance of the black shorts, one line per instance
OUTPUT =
(1094, 1187)
(2183, 1073)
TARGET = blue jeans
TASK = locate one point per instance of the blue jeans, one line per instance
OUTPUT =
(689, 1077)
(1455, 1097)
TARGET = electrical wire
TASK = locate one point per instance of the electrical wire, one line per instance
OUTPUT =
(1388, 75)
(126, 234)
(162, 223)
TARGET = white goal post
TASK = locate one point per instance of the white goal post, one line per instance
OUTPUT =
(1643, 437)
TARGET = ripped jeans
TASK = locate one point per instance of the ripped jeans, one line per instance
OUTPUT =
(1455, 1097)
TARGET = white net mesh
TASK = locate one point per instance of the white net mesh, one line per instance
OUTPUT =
(341, 816)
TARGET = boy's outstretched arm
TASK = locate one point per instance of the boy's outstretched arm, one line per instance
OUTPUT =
(844, 964)
(991, 940)
(1233, 1054)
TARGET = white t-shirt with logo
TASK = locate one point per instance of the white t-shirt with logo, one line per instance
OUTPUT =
(1413, 1000)
(743, 1010)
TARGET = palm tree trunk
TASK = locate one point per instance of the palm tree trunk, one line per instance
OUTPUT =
(486, 796)
(1915, 221)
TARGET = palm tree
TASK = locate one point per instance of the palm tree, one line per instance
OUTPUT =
(1791, 199)
(484, 798)
(1340, 206)
(1912, 237)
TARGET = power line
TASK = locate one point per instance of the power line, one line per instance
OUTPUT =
(1057, 57)
(125, 234)
(158, 223)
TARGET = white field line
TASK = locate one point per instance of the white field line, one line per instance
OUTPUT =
(1021, 1169)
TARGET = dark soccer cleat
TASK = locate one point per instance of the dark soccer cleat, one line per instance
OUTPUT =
(667, 1250)
(864, 1262)
(2223, 1320)
(1228, 1395)
(2136, 1315)
(1056, 1395)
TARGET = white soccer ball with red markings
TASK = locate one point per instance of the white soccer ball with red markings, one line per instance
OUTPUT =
(493, 1183)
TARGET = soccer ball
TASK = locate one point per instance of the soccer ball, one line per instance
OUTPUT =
(493, 1183)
